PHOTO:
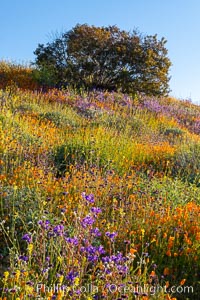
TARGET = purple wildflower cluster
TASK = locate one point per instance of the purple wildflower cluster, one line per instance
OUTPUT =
(71, 276)
(87, 221)
(116, 263)
(89, 198)
(44, 224)
(111, 235)
(184, 114)
(58, 230)
(72, 240)
(95, 210)
(85, 241)
(92, 252)
(27, 237)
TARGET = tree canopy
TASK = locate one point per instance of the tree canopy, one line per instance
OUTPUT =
(105, 58)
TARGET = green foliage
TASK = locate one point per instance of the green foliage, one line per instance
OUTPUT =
(175, 132)
(55, 117)
(186, 163)
(105, 58)
(78, 154)
(46, 76)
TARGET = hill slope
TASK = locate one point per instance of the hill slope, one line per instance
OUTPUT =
(99, 189)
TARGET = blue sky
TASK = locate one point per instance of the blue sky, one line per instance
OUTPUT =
(25, 23)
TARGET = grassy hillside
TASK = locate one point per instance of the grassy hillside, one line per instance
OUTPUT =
(99, 196)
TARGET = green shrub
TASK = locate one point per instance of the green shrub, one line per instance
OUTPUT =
(186, 164)
(78, 154)
(58, 119)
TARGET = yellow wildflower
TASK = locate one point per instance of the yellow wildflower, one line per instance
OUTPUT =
(76, 281)
(29, 289)
(17, 275)
(59, 258)
(60, 279)
(6, 274)
(30, 248)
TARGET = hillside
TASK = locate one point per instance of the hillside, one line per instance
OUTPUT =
(100, 195)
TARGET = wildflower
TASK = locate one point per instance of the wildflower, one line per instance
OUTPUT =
(122, 269)
(50, 295)
(26, 237)
(45, 224)
(96, 232)
(154, 266)
(73, 241)
(59, 259)
(76, 281)
(87, 221)
(152, 273)
(132, 251)
(166, 271)
(167, 284)
(58, 230)
(182, 281)
(71, 276)
(93, 252)
(60, 294)
(29, 289)
(60, 279)
(6, 274)
(142, 231)
(96, 210)
(23, 257)
(30, 248)
(17, 274)
(89, 198)
(168, 253)
(111, 235)
(153, 240)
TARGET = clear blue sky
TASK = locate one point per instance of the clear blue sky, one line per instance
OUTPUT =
(25, 23)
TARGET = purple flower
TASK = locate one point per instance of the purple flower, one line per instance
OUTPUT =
(89, 198)
(111, 235)
(58, 230)
(101, 249)
(117, 259)
(93, 252)
(96, 232)
(87, 221)
(96, 210)
(44, 224)
(73, 241)
(71, 276)
(122, 269)
(23, 257)
(92, 257)
(26, 237)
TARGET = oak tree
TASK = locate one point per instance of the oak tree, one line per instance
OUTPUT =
(106, 58)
